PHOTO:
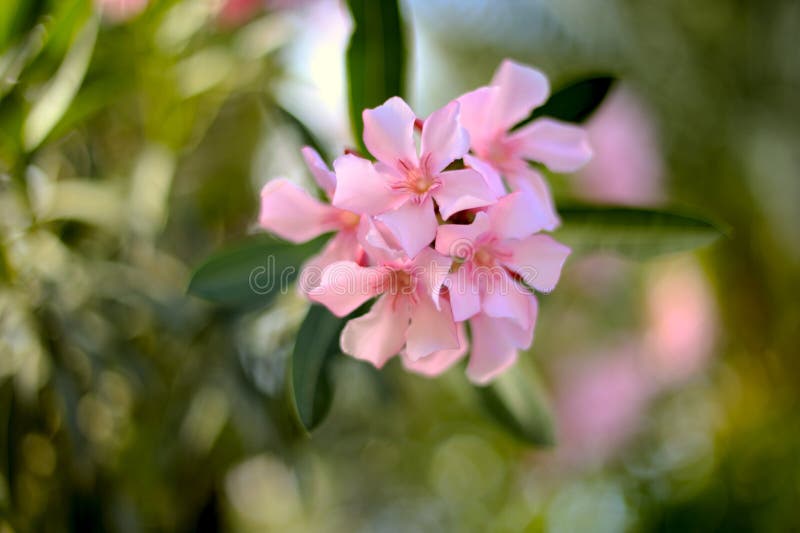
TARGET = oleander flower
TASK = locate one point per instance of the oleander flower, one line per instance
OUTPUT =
(490, 113)
(401, 188)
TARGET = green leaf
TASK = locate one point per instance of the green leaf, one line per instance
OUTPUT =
(376, 57)
(634, 232)
(308, 388)
(516, 400)
(575, 102)
(252, 273)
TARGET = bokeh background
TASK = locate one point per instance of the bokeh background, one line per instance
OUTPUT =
(134, 138)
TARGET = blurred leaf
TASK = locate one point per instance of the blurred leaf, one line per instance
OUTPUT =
(56, 97)
(16, 17)
(308, 138)
(634, 232)
(575, 102)
(376, 57)
(517, 401)
(252, 273)
(14, 60)
(308, 388)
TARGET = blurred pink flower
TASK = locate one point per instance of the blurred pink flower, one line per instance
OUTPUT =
(681, 324)
(120, 10)
(237, 12)
(626, 167)
(401, 188)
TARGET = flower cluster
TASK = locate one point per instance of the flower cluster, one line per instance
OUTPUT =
(444, 232)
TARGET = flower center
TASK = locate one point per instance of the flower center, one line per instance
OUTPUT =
(349, 220)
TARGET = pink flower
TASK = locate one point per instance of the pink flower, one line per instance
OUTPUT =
(408, 312)
(402, 187)
(293, 214)
(121, 10)
(490, 113)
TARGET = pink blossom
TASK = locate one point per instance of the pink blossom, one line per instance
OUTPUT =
(408, 315)
(490, 113)
(402, 187)
(293, 214)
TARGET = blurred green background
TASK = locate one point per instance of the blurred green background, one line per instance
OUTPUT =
(134, 138)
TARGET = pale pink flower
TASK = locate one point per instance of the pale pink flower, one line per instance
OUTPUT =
(490, 113)
(402, 187)
(408, 312)
(627, 166)
(293, 214)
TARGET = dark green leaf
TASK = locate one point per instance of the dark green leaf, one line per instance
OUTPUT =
(376, 57)
(575, 102)
(517, 401)
(251, 274)
(634, 232)
(308, 387)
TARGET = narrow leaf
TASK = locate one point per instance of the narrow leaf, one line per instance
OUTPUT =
(634, 232)
(516, 400)
(308, 388)
(251, 274)
(376, 57)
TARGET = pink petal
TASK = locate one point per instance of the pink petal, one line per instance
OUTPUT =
(378, 242)
(460, 190)
(323, 175)
(460, 240)
(361, 188)
(291, 213)
(413, 225)
(531, 183)
(432, 268)
(343, 246)
(443, 138)
(492, 352)
(505, 298)
(431, 329)
(515, 216)
(521, 89)
(489, 173)
(561, 147)
(465, 297)
(345, 285)
(439, 362)
(380, 334)
(538, 259)
(473, 116)
(389, 132)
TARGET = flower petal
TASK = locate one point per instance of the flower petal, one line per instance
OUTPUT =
(431, 329)
(380, 334)
(491, 353)
(443, 138)
(465, 297)
(413, 225)
(473, 116)
(561, 147)
(378, 242)
(345, 285)
(431, 268)
(515, 216)
(489, 173)
(361, 188)
(323, 175)
(503, 297)
(459, 240)
(343, 246)
(389, 132)
(291, 213)
(438, 362)
(521, 89)
(530, 183)
(538, 259)
(462, 189)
